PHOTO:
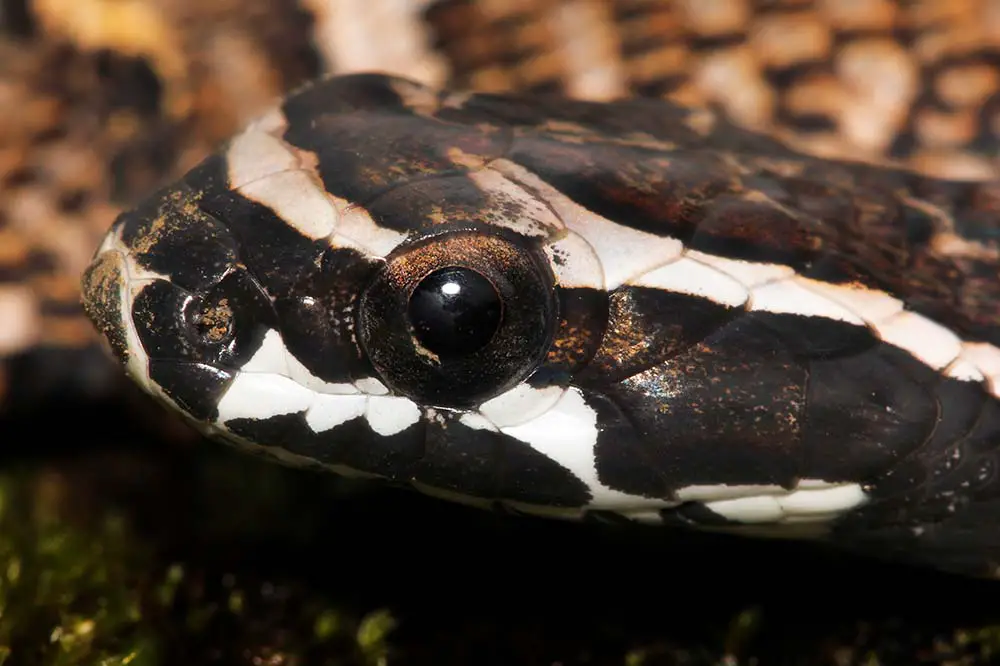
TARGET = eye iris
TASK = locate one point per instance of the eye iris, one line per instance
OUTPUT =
(455, 311)
(456, 334)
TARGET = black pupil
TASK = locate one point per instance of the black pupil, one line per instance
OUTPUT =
(455, 311)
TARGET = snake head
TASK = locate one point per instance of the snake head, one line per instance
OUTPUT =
(560, 307)
(354, 285)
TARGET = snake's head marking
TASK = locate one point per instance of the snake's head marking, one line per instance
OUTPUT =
(415, 325)
(560, 307)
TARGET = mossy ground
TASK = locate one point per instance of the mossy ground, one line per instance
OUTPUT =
(145, 554)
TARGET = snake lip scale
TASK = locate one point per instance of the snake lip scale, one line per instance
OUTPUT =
(673, 320)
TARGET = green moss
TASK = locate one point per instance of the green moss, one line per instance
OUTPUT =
(372, 635)
(67, 596)
(741, 630)
(243, 575)
(79, 586)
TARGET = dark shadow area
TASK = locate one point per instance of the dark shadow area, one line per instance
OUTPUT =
(472, 587)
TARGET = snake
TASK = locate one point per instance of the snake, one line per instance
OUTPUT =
(630, 309)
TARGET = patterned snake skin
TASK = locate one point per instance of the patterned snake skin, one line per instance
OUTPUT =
(94, 116)
(909, 83)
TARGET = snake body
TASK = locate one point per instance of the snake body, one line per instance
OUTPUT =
(635, 310)
(738, 333)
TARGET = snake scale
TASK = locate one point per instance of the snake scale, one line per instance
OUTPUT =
(775, 314)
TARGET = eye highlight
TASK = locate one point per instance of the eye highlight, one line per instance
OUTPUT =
(457, 318)
(455, 311)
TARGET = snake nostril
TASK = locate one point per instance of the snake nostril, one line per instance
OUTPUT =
(212, 323)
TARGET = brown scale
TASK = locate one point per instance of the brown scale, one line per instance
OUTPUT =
(872, 79)
(490, 42)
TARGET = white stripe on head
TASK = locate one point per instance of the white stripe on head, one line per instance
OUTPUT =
(520, 404)
(388, 415)
(930, 342)
(297, 199)
(788, 297)
(623, 252)
(686, 276)
(567, 434)
(986, 359)
(253, 395)
(330, 411)
(254, 155)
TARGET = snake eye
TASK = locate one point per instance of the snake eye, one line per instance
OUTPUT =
(455, 311)
(455, 319)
